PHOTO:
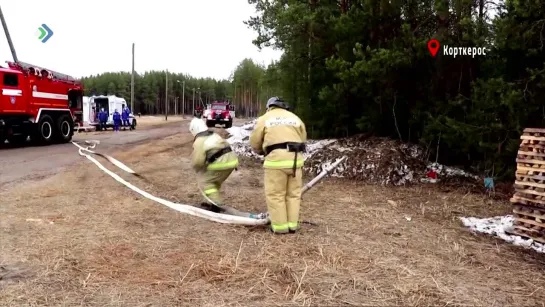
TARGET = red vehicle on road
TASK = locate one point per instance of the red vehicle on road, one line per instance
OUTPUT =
(37, 102)
(219, 113)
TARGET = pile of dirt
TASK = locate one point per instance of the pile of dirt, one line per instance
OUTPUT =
(239, 138)
(374, 160)
(370, 159)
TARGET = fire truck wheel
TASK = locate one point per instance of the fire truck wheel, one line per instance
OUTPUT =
(45, 133)
(65, 129)
(229, 125)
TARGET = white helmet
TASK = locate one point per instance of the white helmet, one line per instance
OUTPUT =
(197, 126)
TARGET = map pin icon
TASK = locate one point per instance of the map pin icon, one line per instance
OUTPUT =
(433, 47)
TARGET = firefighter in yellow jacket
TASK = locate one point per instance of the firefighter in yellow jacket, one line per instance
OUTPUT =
(214, 160)
(281, 135)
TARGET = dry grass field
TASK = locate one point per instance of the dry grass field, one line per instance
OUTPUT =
(79, 238)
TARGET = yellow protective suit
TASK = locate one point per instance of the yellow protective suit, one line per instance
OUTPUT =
(282, 186)
(212, 174)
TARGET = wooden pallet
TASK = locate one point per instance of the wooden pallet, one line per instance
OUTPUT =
(529, 198)
(529, 217)
(527, 234)
(530, 175)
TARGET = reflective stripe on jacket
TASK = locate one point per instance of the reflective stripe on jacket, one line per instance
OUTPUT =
(205, 146)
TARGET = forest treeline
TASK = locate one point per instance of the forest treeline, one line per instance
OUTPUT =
(246, 88)
(362, 66)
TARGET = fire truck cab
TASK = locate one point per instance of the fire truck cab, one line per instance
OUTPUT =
(219, 113)
(38, 103)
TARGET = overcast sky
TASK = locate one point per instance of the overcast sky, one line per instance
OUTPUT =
(204, 38)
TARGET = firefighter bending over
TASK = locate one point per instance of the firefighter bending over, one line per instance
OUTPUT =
(281, 135)
(214, 160)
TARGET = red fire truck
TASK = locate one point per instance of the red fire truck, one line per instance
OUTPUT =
(38, 103)
(219, 113)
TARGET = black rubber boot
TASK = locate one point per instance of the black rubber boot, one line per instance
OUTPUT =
(278, 232)
(211, 207)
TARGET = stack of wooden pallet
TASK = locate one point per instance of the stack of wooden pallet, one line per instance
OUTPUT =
(529, 197)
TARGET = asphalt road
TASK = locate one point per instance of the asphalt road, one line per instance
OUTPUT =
(36, 162)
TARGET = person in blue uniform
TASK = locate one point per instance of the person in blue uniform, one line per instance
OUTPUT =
(117, 120)
(102, 118)
(125, 117)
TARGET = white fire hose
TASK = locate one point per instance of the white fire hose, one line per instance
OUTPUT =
(188, 209)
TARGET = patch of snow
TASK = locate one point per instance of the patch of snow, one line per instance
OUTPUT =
(497, 226)
(249, 125)
(239, 140)
(315, 146)
(238, 135)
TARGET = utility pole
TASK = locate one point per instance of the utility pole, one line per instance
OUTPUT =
(183, 98)
(166, 95)
(193, 101)
(132, 81)
(176, 101)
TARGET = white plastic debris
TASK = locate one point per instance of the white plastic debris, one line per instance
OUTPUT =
(497, 226)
